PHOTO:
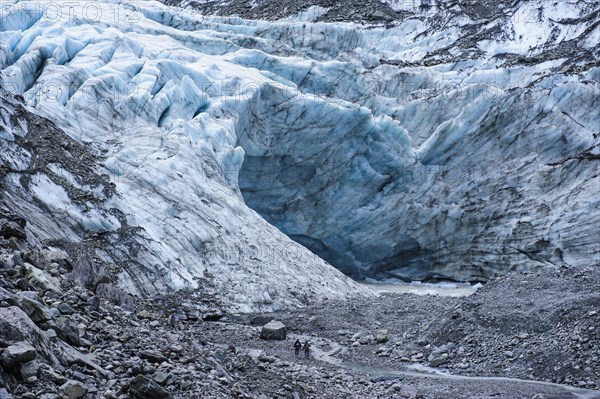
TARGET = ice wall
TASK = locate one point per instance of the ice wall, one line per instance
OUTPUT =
(456, 143)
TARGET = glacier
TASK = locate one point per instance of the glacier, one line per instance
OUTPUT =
(255, 154)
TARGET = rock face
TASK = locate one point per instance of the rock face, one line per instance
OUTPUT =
(275, 330)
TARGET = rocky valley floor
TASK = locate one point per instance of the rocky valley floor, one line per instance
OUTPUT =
(519, 336)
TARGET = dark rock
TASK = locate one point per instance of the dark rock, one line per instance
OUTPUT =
(142, 387)
(72, 356)
(94, 302)
(213, 316)
(65, 309)
(382, 336)
(161, 377)
(274, 330)
(15, 326)
(17, 260)
(35, 258)
(116, 296)
(408, 392)
(68, 331)
(260, 320)
(73, 390)
(88, 273)
(23, 284)
(11, 228)
(7, 297)
(36, 311)
(384, 378)
(176, 318)
(30, 369)
(76, 375)
(153, 356)
(6, 262)
(18, 354)
(438, 361)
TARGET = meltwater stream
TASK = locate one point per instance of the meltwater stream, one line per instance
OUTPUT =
(418, 371)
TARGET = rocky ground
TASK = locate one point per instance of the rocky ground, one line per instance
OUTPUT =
(61, 340)
(369, 11)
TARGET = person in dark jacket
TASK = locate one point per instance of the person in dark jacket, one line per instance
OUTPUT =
(306, 349)
(297, 346)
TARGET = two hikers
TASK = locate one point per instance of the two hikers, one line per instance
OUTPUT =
(298, 345)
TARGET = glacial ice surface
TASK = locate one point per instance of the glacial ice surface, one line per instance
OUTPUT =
(415, 151)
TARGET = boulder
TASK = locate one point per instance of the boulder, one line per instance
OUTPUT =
(35, 258)
(115, 295)
(88, 273)
(65, 309)
(94, 302)
(366, 340)
(6, 261)
(441, 350)
(55, 255)
(213, 315)
(73, 390)
(10, 228)
(357, 336)
(142, 387)
(18, 354)
(30, 369)
(15, 327)
(408, 392)
(7, 297)
(36, 311)
(68, 331)
(41, 279)
(260, 320)
(438, 361)
(72, 356)
(152, 355)
(274, 330)
(382, 336)
(161, 377)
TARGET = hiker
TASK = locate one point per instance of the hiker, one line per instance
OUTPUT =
(297, 346)
(306, 349)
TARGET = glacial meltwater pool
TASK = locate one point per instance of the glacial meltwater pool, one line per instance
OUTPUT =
(419, 288)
